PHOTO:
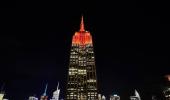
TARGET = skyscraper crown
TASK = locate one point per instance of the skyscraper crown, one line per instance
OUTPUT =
(82, 37)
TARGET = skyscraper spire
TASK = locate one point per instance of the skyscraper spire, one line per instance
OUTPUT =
(136, 96)
(56, 93)
(57, 85)
(82, 24)
(45, 89)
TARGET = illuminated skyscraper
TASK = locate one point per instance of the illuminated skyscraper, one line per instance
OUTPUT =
(44, 96)
(56, 94)
(99, 97)
(114, 97)
(103, 97)
(82, 79)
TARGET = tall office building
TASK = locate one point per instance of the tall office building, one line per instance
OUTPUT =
(56, 94)
(82, 79)
(44, 96)
(114, 97)
(136, 97)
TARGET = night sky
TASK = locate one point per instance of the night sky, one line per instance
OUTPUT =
(131, 45)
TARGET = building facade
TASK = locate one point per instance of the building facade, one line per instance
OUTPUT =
(82, 79)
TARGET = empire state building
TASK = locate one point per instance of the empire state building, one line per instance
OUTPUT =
(82, 79)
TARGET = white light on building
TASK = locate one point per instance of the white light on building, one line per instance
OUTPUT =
(103, 97)
(99, 97)
(136, 97)
(114, 97)
(56, 94)
(1, 96)
(33, 98)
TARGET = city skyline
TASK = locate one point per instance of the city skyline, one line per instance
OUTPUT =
(131, 47)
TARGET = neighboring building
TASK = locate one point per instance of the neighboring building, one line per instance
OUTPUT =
(103, 97)
(166, 93)
(33, 98)
(99, 97)
(82, 79)
(56, 94)
(136, 97)
(114, 97)
(44, 96)
(166, 90)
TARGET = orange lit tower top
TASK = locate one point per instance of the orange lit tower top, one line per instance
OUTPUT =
(82, 37)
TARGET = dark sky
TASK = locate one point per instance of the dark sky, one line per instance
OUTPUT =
(131, 45)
